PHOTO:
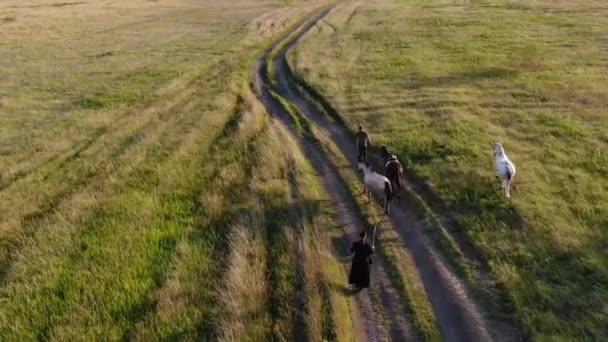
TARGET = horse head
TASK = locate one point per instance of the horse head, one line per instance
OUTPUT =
(498, 149)
(360, 165)
(363, 166)
(384, 151)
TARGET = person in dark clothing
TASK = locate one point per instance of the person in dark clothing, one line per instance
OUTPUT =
(362, 142)
(359, 272)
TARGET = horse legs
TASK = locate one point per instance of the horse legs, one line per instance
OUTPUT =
(506, 187)
(509, 188)
(397, 186)
(399, 180)
(369, 198)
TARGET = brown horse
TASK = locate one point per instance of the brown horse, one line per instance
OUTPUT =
(392, 169)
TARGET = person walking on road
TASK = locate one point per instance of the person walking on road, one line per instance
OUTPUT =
(360, 269)
(363, 142)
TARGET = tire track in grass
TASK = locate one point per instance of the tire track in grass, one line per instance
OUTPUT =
(122, 117)
(266, 181)
(179, 213)
(145, 119)
(31, 222)
(79, 175)
(184, 124)
(77, 171)
(281, 267)
(301, 217)
(65, 157)
(106, 218)
(6, 182)
(241, 156)
(192, 200)
(205, 239)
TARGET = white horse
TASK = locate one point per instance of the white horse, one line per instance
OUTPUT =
(504, 167)
(377, 183)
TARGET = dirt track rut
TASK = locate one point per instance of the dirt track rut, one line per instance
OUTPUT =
(458, 316)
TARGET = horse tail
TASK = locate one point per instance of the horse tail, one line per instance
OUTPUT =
(396, 172)
(398, 181)
(399, 175)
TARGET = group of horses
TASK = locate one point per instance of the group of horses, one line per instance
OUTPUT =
(387, 185)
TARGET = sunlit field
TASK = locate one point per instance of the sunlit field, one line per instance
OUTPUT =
(437, 81)
(144, 193)
(147, 194)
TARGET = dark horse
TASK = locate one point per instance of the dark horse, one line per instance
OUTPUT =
(392, 169)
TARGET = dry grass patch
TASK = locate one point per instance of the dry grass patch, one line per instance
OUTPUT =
(245, 284)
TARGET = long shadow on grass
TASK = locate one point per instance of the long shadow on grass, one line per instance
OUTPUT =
(285, 287)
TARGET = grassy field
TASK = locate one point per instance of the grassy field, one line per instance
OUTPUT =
(437, 81)
(144, 193)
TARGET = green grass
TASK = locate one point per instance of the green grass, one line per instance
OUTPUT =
(129, 152)
(130, 89)
(438, 81)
